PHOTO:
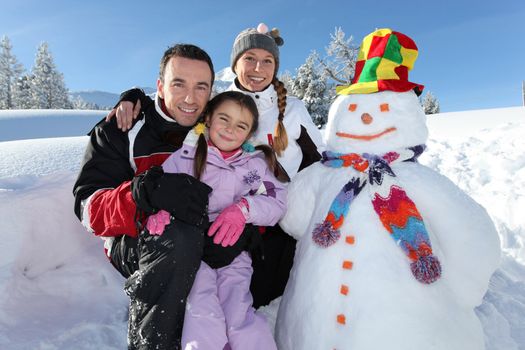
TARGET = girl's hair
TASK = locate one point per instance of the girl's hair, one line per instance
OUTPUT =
(280, 142)
(245, 101)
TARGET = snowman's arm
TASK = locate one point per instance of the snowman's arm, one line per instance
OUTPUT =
(300, 202)
(462, 234)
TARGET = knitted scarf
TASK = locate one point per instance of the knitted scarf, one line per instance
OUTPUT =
(396, 211)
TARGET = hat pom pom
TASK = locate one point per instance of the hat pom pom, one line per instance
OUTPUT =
(277, 37)
(262, 28)
(426, 269)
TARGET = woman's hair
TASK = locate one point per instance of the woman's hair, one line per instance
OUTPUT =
(280, 142)
(245, 101)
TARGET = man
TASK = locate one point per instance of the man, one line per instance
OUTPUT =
(120, 184)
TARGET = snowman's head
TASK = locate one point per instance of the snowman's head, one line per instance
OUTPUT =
(375, 123)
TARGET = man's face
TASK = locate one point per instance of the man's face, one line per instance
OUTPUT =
(185, 89)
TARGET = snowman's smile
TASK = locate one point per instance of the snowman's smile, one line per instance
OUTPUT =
(366, 137)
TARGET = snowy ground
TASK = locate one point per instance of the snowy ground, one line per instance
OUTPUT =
(57, 291)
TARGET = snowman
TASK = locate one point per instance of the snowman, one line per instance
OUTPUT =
(390, 254)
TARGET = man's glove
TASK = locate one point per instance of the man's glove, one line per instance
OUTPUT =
(217, 256)
(182, 195)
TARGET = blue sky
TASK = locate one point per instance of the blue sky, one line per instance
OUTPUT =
(471, 53)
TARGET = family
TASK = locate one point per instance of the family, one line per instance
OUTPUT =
(201, 203)
(147, 191)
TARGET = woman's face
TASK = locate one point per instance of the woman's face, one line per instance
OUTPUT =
(255, 69)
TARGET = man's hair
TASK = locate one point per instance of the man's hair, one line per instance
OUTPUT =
(189, 51)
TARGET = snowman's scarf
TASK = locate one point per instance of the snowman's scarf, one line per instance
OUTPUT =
(395, 209)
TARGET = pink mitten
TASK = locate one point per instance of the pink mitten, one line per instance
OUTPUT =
(229, 224)
(157, 222)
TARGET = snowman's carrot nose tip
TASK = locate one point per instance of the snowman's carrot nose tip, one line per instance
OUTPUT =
(366, 118)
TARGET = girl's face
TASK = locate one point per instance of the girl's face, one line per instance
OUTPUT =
(229, 125)
(255, 69)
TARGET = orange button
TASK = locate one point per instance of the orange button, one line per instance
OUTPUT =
(341, 319)
(350, 239)
(344, 289)
(347, 264)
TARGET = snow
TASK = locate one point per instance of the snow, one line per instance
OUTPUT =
(22, 124)
(57, 290)
(225, 75)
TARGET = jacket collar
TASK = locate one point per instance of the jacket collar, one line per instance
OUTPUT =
(264, 100)
(214, 156)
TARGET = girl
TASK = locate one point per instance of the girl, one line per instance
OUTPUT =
(219, 311)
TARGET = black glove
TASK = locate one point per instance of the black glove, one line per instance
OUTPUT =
(182, 195)
(217, 256)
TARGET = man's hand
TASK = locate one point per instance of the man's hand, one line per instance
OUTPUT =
(125, 113)
(182, 195)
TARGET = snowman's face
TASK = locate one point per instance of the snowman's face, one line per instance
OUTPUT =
(375, 123)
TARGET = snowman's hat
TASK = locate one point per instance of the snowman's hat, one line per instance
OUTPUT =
(383, 63)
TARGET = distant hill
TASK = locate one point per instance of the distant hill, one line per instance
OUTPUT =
(223, 79)
(103, 99)
(106, 100)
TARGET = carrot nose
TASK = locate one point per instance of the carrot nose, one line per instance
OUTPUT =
(366, 118)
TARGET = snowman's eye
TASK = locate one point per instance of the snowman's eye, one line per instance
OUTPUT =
(384, 107)
(352, 107)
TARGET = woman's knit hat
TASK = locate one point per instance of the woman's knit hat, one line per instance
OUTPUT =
(257, 38)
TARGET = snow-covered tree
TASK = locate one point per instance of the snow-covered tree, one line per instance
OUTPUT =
(78, 102)
(310, 86)
(47, 84)
(22, 93)
(339, 62)
(287, 79)
(317, 77)
(10, 71)
(430, 103)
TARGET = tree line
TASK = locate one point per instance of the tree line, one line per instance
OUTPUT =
(42, 87)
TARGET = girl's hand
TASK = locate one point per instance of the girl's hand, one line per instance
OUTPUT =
(228, 226)
(157, 222)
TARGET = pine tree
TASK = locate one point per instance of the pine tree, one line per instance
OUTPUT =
(22, 94)
(340, 59)
(10, 71)
(310, 86)
(79, 103)
(287, 79)
(430, 103)
(47, 84)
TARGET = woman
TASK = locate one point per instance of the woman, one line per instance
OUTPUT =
(284, 124)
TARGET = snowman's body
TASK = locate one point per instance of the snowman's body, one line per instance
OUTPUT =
(360, 293)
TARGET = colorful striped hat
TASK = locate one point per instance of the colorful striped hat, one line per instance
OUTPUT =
(383, 63)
